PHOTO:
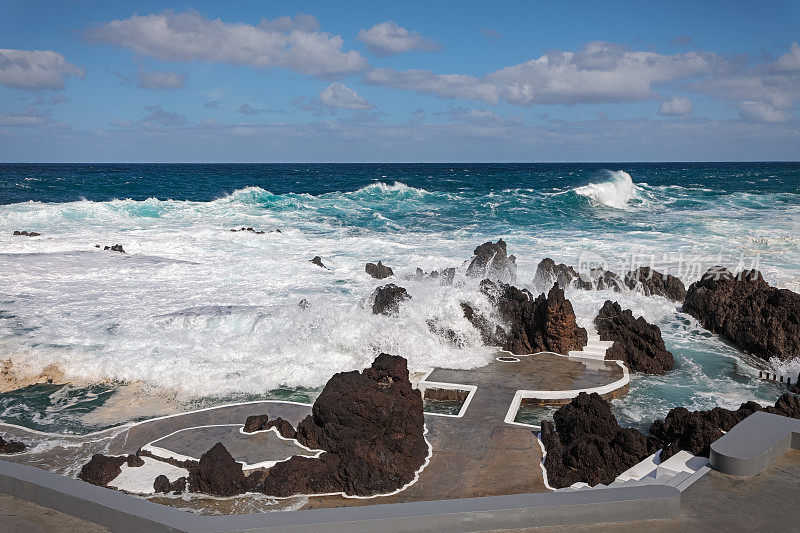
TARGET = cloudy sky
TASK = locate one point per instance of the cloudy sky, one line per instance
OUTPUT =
(87, 80)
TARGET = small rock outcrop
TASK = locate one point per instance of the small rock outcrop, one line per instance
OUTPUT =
(587, 444)
(251, 230)
(379, 271)
(653, 283)
(218, 473)
(445, 277)
(544, 324)
(386, 300)
(636, 341)
(115, 248)
(371, 426)
(27, 233)
(10, 446)
(746, 310)
(102, 469)
(492, 261)
(549, 273)
(262, 422)
(317, 261)
(694, 431)
(163, 484)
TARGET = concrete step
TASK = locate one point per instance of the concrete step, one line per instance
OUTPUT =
(593, 349)
(678, 478)
(600, 344)
(585, 355)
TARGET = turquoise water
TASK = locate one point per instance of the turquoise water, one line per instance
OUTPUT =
(204, 315)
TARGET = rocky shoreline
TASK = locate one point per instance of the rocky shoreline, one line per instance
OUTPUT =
(368, 427)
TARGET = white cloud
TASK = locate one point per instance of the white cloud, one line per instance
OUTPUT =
(388, 38)
(182, 37)
(678, 105)
(482, 117)
(35, 69)
(790, 61)
(156, 116)
(246, 109)
(601, 72)
(762, 112)
(28, 117)
(441, 85)
(337, 95)
(160, 79)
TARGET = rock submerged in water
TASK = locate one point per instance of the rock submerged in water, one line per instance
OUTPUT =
(10, 446)
(588, 445)
(218, 473)
(492, 261)
(636, 342)
(115, 248)
(102, 469)
(548, 273)
(651, 282)
(386, 300)
(379, 271)
(27, 233)
(371, 426)
(317, 261)
(758, 318)
(644, 279)
(544, 324)
(694, 431)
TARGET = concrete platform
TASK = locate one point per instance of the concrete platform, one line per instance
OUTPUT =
(476, 453)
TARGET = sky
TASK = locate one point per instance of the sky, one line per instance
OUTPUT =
(201, 81)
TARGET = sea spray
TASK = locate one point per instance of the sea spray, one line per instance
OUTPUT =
(211, 313)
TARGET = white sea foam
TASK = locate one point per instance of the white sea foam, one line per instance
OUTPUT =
(210, 312)
(615, 192)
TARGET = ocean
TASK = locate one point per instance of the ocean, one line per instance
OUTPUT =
(195, 314)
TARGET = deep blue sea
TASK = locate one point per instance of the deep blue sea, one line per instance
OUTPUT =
(194, 314)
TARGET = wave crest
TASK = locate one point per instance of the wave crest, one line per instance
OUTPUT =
(615, 192)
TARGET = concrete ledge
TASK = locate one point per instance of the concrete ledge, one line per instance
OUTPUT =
(123, 513)
(754, 443)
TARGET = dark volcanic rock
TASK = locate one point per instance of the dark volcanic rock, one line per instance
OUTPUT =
(445, 277)
(218, 473)
(636, 342)
(492, 261)
(386, 300)
(370, 425)
(379, 271)
(544, 324)
(549, 273)
(694, 431)
(162, 483)
(27, 233)
(102, 469)
(262, 422)
(115, 248)
(251, 230)
(10, 446)
(317, 261)
(651, 282)
(588, 445)
(745, 309)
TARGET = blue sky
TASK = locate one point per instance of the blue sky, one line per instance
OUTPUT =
(372, 81)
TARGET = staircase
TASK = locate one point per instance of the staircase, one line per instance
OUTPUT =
(679, 471)
(595, 349)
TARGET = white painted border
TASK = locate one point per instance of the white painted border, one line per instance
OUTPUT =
(344, 495)
(424, 384)
(164, 453)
